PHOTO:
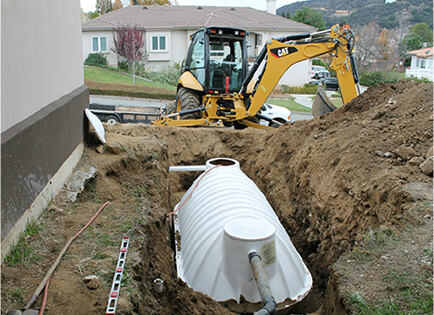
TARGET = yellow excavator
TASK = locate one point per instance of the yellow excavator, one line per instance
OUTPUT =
(216, 88)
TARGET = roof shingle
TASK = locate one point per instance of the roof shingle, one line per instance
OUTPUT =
(193, 17)
(422, 53)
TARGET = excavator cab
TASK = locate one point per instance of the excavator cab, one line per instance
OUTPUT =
(217, 59)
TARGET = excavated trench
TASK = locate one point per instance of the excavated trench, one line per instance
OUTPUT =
(329, 180)
(159, 253)
(326, 180)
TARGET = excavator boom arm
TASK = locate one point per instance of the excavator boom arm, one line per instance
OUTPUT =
(279, 57)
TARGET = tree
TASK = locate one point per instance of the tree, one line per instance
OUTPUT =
(423, 30)
(129, 43)
(411, 41)
(309, 16)
(150, 2)
(91, 15)
(386, 47)
(104, 6)
(117, 5)
(366, 41)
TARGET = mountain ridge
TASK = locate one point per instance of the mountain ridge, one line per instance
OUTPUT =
(397, 15)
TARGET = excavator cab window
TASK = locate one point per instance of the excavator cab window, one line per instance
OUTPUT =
(217, 58)
(196, 57)
(225, 64)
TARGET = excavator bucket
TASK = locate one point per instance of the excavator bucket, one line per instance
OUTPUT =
(321, 105)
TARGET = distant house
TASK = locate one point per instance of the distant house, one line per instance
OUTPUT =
(342, 13)
(421, 64)
(168, 29)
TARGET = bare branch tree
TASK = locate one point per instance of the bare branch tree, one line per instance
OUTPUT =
(129, 42)
(104, 6)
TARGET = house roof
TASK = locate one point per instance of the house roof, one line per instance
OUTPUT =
(175, 17)
(422, 53)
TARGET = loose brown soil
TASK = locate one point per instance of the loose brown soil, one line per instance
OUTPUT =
(333, 181)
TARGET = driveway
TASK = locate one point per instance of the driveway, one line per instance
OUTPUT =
(127, 101)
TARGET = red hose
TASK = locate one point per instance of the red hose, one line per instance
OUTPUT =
(44, 300)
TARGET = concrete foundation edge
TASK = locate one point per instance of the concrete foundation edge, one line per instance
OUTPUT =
(42, 200)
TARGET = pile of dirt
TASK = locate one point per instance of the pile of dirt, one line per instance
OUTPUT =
(331, 181)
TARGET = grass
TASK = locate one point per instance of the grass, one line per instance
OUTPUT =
(16, 296)
(415, 304)
(337, 102)
(293, 106)
(23, 253)
(109, 76)
(103, 81)
(400, 288)
(290, 104)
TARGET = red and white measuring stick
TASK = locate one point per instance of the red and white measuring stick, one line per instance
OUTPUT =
(114, 292)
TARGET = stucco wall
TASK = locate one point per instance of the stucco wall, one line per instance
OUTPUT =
(42, 107)
(41, 55)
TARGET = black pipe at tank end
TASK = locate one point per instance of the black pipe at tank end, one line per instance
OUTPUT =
(269, 305)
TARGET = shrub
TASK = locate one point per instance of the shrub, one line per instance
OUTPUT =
(169, 74)
(319, 62)
(376, 77)
(371, 78)
(422, 80)
(96, 59)
(306, 89)
(123, 65)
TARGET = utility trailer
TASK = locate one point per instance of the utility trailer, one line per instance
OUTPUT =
(113, 114)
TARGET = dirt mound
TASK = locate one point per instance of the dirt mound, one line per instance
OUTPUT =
(331, 181)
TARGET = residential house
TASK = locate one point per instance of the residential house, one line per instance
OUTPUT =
(168, 29)
(42, 107)
(421, 64)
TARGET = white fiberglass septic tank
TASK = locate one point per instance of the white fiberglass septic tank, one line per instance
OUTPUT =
(219, 221)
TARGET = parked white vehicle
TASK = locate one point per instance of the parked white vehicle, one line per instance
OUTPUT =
(277, 113)
(319, 72)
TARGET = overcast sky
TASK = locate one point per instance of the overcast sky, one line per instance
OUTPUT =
(89, 5)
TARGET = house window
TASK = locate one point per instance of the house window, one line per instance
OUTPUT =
(158, 42)
(99, 44)
(422, 63)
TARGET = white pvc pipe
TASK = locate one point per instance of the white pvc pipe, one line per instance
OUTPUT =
(188, 168)
(209, 164)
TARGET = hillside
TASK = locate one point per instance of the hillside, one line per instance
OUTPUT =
(400, 14)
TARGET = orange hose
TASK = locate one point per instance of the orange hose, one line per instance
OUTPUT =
(44, 299)
(91, 220)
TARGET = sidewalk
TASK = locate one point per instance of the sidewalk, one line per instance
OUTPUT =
(307, 99)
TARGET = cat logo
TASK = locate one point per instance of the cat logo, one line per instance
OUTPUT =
(282, 51)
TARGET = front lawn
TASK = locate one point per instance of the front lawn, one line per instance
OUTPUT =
(103, 81)
(290, 104)
(103, 75)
